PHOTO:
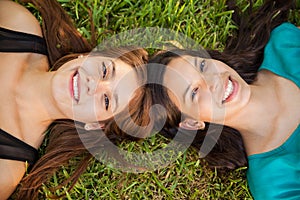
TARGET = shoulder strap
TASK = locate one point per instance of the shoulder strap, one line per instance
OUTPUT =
(14, 41)
(13, 148)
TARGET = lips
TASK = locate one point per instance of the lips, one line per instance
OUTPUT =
(230, 91)
(75, 85)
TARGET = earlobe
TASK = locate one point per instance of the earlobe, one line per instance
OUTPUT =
(94, 126)
(191, 124)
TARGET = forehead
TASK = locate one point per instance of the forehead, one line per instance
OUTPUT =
(182, 62)
(180, 71)
(99, 59)
(117, 64)
(125, 84)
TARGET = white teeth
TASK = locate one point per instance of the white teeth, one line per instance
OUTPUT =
(75, 87)
(228, 91)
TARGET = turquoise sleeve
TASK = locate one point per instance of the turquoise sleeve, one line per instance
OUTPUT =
(282, 53)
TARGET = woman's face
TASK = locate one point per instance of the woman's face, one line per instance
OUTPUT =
(93, 88)
(205, 89)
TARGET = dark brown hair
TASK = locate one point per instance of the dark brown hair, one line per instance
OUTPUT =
(64, 43)
(244, 53)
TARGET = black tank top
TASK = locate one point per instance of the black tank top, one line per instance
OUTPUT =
(13, 41)
(14, 149)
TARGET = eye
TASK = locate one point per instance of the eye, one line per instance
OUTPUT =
(106, 101)
(194, 92)
(202, 65)
(104, 70)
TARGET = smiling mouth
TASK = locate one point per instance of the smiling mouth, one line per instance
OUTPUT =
(228, 91)
(75, 84)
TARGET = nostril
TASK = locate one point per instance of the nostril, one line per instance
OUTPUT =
(90, 84)
(88, 79)
(212, 88)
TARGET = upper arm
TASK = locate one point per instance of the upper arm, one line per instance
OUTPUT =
(16, 17)
(11, 173)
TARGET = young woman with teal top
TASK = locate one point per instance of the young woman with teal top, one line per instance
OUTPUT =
(275, 174)
(251, 90)
(35, 100)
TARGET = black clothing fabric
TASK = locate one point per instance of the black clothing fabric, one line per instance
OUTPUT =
(14, 41)
(13, 148)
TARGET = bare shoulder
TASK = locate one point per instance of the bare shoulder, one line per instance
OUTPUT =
(11, 173)
(16, 17)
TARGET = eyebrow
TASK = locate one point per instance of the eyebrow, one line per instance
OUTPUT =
(115, 95)
(113, 69)
(116, 99)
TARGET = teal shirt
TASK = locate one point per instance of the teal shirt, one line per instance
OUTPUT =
(275, 174)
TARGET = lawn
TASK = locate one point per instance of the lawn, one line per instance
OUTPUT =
(208, 23)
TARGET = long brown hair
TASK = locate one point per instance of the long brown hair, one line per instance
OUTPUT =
(244, 53)
(64, 141)
(59, 31)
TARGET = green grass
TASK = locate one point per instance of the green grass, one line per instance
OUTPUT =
(185, 178)
(208, 23)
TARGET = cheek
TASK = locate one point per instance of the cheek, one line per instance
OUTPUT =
(61, 91)
(205, 107)
(96, 112)
(210, 111)
(85, 111)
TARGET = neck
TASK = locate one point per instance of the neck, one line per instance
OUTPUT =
(258, 120)
(34, 94)
(271, 114)
(259, 114)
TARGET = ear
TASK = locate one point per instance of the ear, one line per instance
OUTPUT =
(94, 126)
(191, 124)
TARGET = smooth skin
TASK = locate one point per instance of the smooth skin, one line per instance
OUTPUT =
(266, 112)
(28, 87)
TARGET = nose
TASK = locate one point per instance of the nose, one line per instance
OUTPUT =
(95, 85)
(214, 80)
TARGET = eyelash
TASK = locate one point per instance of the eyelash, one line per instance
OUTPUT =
(194, 92)
(104, 70)
(202, 65)
(106, 101)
